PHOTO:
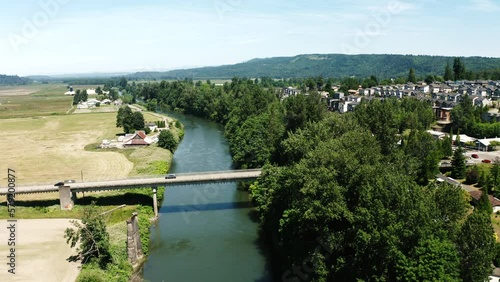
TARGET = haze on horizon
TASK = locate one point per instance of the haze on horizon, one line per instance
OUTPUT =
(72, 36)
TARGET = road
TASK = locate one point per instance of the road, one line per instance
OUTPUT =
(181, 179)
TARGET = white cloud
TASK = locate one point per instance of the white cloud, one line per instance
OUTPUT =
(484, 5)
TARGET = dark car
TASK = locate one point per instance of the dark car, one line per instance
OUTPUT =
(170, 176)
(486, 161)
(475, 156)
(59, 184)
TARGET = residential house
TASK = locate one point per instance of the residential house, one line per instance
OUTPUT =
(152, 126)
(290, 91)
(481, 101)
(337, 97)
(425, 88)
(483, 92)
(139, 138)
(454, 97)
(435, 88)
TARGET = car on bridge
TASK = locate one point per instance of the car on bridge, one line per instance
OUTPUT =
(170, 176)
(61, 183)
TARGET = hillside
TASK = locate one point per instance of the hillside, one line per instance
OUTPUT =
(327, 65)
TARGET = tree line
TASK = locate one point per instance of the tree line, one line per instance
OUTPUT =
(344, 197)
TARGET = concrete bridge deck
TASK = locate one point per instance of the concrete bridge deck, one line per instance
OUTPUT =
(181, 179)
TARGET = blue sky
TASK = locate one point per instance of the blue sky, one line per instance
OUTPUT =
(74, 36)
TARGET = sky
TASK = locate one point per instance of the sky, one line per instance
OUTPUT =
(48, 37)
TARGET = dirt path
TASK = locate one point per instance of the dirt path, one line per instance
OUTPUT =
(41, 252)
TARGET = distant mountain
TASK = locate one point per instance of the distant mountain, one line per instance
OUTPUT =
(327, 65)
(79, 75)
(13, 80)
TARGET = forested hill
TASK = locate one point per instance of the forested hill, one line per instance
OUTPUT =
(328, 65)
(13, 80)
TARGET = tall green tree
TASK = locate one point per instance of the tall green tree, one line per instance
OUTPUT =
(458, 69)
(476, 246)
(484, 205)
(137, 121)
(411, 76)
(458, 162)
(448, 73)
(90, 237)
(495, 176)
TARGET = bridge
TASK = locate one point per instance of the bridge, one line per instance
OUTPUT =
(67, 193)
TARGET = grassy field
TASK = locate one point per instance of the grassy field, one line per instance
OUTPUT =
(35, 100)
(51, 148)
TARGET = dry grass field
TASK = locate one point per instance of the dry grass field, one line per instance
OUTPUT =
(51, 148)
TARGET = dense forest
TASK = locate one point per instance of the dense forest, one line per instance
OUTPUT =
(13, 80)
(334, 66)
(344, 197)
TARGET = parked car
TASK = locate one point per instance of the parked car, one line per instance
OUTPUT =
(475, 156)
(69, 181)
(486, 161)
(60, 183)
(170, 176)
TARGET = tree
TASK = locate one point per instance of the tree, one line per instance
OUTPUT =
(448, 73)
(429, 79)
(446, 145)
(458, 163)
(84, 96)
(495, 176)
(484, 205)
(411, 76)
(423, 148)
(166, 140)
(137, 121)
(92, 235)
(122, 83)
(458, 69)
(129, 120)
(476, 247)
(432, 260)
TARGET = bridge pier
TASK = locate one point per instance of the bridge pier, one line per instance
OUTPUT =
(66, 198)
(155, 202)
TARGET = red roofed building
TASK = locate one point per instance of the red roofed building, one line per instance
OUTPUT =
(139, 139)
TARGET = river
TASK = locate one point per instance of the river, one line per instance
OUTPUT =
(205, 232)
